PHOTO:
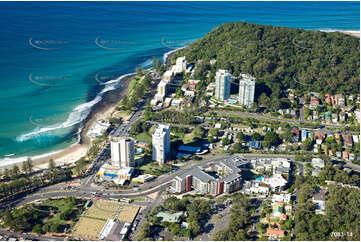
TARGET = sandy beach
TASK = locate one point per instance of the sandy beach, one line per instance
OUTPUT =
(352, 33)
(102, 109)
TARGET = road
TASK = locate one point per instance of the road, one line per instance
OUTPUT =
(20, 237)
(260, 115)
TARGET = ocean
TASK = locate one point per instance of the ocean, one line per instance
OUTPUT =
(56, 56)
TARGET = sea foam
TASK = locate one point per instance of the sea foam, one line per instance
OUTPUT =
(78, 115)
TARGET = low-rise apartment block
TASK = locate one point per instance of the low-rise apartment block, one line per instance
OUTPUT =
(223, 177)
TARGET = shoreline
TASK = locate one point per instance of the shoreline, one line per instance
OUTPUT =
(102, 109)
(355, 33)
(74, 152)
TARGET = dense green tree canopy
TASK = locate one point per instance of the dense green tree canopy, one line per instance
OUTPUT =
(281, 58)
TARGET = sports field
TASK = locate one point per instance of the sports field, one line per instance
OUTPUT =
(88, 228)
(90, 225)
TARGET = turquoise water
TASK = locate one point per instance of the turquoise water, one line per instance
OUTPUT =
(259, 178)
(53, 52)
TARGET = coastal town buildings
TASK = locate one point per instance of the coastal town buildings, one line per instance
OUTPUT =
(223, 85)
(319, 199)
(161, 90)
(181, 65)
(98, 128)
(161, 144)
(168, 76)
(226, 178)
(122, 152)
(246, 90)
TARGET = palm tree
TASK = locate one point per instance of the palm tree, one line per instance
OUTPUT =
(15, 171)
(29, 164)
(7, 172)
(52, 164)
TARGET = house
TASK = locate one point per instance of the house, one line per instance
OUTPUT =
(342, 117)
(340, 100)
(169, 217)
(316, 171)
(347, 140)
(213, 61)
(355, 138)
(218, 125)
(338, 154)
(314, 101)
(319, 135)
(255, 144)
(296, 132)
(283, 216)
(276, 182)
(351, 157)
(189, 93)
(319, 199)
(175, 102)
(315, 115)
(330, 152)
(303, 134)
(276, 233)
(345, 155)
(334, 118)
(281, 198)
(318, 162)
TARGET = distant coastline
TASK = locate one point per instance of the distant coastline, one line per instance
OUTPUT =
(355, 33)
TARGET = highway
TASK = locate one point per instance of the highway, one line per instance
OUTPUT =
(22, 237)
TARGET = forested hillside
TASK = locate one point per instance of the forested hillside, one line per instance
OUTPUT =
(281, 58)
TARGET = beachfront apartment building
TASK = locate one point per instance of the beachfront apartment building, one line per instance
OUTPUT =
(180, 64)
(161, 90)
(122, 152)
(161, 144)
(246, 90)
(223, 85)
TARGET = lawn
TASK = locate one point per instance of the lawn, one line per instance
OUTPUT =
(103, 209)
(143, 137)
(153, 168)
(61, 206)
(128, 213)
(88, 228)
(52, 215)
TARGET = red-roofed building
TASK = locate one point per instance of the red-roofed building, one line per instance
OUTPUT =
(347, 140)
(320, 135)
(345, 155)
(314, 101)
(283, 216)
(265, 220)
(275, 232)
